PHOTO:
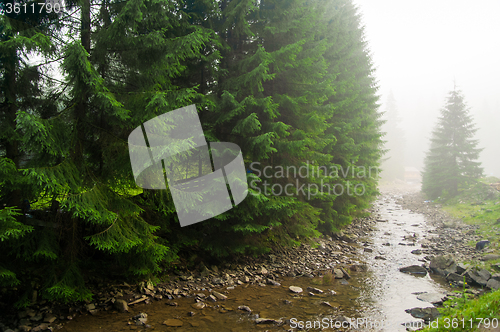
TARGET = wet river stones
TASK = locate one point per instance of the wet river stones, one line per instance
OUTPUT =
(414, 269)
(173, 322)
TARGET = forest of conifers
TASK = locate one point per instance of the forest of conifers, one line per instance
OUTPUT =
(289, 81)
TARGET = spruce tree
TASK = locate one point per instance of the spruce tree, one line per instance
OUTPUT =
(354, 137)
(290, 82)
(299, 91)
(261, 106)
(78, 172)
(393, 164)
(451, 162)
(22, 90)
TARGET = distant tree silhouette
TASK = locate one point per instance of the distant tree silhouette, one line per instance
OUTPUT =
(451, 162)
(393, 163)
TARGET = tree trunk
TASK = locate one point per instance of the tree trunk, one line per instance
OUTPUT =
(81, 106)
(12, 144)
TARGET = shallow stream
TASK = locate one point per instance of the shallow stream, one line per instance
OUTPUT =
(375, 299)
(388, 290)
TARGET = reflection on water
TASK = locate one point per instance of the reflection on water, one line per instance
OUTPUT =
(389, 291)
(376, 297)
(272, 302)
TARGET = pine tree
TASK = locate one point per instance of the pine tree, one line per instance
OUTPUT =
(21, 91)
(290, 82)
(261, 107)
(123, 73)
(393, 164)
(451, 162)
(354, 124)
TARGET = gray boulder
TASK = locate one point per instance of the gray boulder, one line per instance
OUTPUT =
(443, 264)
(485, 274)
(434, 298)
(121, 305)
(461, 268)
(427, 314)
(490, 257)
(474, 277)
(414, 269)
(295, 289)
(453, 277)
(493, 284)
(496, 276)
(338, 273)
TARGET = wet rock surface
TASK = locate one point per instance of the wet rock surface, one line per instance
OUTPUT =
(447, 245)
(427, 314)
(295, 289)
(434, 298)
(414, 269)
(450, 237)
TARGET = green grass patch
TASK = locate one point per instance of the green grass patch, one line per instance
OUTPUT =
(469, 315)
(479, 205)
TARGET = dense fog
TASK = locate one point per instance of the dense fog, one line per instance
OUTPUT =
(421, 50)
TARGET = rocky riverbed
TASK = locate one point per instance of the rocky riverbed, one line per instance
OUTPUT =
(451, 236)
(208, 286)
(266, 292)
(448, 246)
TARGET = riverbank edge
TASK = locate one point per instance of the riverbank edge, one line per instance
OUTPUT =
(448, 249)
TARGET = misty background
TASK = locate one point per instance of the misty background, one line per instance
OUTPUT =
(420, 50)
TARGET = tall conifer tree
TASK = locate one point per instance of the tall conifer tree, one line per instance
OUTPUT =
(393, 164)
(354, 124)
(22, 90)
(451, 163)
(290, 82)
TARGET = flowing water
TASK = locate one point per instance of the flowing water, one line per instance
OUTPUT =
(374, 301)
(390, 291)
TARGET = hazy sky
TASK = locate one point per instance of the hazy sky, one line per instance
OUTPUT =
(420, 47)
